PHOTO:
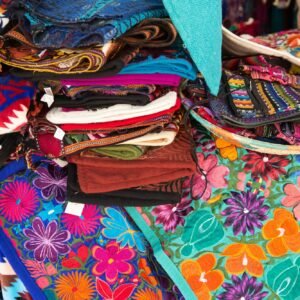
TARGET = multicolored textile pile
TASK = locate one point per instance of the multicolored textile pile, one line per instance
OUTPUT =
(110, 190)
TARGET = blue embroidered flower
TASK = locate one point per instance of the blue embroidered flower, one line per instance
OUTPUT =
(50, 211)
(117, 228)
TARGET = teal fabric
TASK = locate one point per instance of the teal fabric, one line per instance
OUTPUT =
(199, 25)
(162, 65)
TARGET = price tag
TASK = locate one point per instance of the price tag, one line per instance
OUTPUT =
(59, 134)
(48, 97)
(74, 209)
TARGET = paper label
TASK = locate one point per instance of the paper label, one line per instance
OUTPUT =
(59, 134)
(60, 162)
(74, 209)
(48, 99)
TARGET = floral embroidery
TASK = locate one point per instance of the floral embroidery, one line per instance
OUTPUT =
(18, 201)
(52, 181)
(245, 212)
(265, 165)
(227, 150)
(145, 272)
(75, 285)
(50, 211)
(282, 232)
(148, 294)
(171, 216)
(244, 258)
(86, 224)
(212, 176)
(118, 228)
(201, 276)
(245, 288)
(46, 242)
(292, 198)
(112, 260)
(122, 292)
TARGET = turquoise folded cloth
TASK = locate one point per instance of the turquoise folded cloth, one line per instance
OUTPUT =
(162, 65)
(199, 23)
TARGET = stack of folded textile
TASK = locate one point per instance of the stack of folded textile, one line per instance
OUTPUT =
(108, 80)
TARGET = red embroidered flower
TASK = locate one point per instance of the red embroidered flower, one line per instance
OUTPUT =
(265, 165)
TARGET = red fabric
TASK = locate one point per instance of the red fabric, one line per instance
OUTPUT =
(114, 124)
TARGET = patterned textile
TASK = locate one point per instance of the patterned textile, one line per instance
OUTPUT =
(79, 23)
(12, 288)
(238, 236)
(57, 255)
(15, 97)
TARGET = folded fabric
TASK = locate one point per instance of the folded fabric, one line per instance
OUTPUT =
(164, 116)
(59, 253)
(151, 33)
(16, 51)
(162, 65)
(205, 43)
(89, 100)
(163, 138)
(159, 79)
(112, 113)
(50, 26)
(278, 44)
(125, 152)
(15, 98)
(166, 164)
(143, 196)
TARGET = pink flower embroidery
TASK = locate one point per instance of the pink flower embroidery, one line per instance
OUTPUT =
(18, 201)
(87, 224)
(213, 176)
(112, 260)
(292, 198)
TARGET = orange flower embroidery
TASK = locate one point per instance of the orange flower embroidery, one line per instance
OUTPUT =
(227, 149)
(244, 258)
(200, 275)
(283, 233)
(148, 294)
(145, 272)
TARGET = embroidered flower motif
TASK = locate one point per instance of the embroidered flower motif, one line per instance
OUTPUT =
(201, 276)
(122, 292)
(52, 181)
(282, 232)
(244, 258)
(46, 242)
(76, 286)
(244, 288)
(265, 165)
(118, 228)
(245, 212)
(86, 224)
(18, 201)
(171, 216)
(227, 150)
(148, 294)
(213, 176)
(112, 260)
(292, 198)
(50, 211)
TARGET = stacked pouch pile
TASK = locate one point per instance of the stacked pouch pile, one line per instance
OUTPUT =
(91, 88)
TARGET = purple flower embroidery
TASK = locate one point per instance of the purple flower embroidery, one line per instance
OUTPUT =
(52, 181)
(246, 288)
(46, 242)
(171, 216)
(245, 212)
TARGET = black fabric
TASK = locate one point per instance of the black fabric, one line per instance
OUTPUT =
(97, 100)
(9, 143)
(130, 197)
